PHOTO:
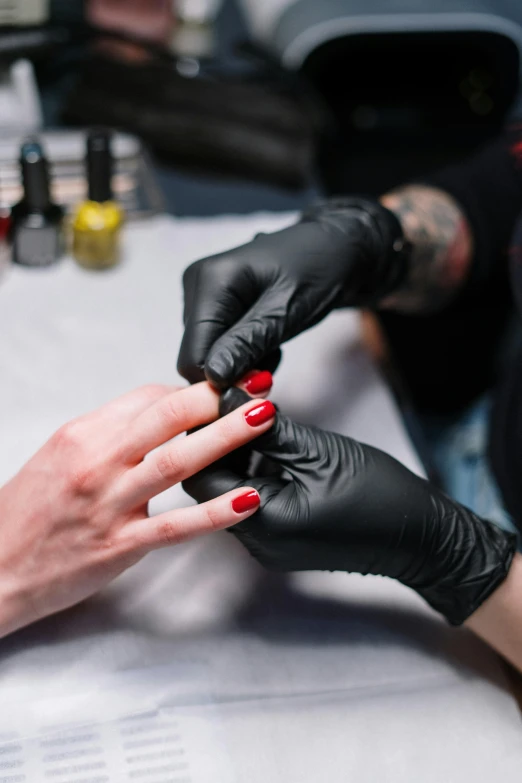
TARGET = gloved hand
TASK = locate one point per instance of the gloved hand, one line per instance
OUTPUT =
(345, 506)
(241, 305)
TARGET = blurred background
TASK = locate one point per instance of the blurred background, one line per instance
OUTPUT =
(238, 105)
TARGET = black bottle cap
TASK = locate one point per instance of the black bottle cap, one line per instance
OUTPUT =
(35, 177)
(99, 165)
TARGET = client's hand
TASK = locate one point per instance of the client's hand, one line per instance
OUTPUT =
(76, 516)
(345, 506)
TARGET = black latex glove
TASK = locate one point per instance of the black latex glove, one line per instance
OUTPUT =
(350, 507)
(241, 305)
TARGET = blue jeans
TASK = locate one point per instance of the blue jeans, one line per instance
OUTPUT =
(458, 451)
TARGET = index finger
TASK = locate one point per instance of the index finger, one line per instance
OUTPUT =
(175, 462)
(171, 415)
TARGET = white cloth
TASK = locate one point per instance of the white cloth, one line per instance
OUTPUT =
(196, 665)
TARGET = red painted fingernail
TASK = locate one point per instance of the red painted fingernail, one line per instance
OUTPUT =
(258, 381)
(246, 502)
(260, 414)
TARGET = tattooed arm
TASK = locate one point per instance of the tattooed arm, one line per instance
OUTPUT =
(442, 248)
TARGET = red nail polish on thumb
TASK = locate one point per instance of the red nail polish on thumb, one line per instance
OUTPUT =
(258, 381)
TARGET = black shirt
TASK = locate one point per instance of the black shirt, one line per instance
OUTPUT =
(506, 421)
(476, 343)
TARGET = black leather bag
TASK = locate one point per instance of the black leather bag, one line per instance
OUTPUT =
(262, 130)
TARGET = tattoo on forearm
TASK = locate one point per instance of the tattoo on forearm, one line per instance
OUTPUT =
(442, 248)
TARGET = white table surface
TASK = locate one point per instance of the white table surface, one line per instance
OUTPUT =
(229, 673)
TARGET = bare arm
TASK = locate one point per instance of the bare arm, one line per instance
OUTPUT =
(442, 248)
(499, 620)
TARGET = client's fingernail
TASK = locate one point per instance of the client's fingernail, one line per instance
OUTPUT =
(258, 381)
(246, 502)
(260, 414)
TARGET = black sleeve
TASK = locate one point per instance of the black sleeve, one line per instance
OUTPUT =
(488, 188)
(451, 357)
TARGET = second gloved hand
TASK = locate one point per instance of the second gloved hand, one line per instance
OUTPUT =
(345, 506)
(241, 305)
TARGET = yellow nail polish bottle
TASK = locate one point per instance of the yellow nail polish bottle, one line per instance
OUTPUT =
(97, 222)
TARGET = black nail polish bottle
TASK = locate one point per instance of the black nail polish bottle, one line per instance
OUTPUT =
(37, 223)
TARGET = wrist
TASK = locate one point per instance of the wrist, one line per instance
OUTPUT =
(499, 619)
(382, 250)
(13, 611)
(473, 559)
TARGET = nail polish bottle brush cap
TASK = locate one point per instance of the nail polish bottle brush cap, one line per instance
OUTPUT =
(99, 166)
(35, 177)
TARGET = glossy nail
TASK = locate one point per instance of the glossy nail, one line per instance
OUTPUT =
(246, 502)
(258, 381)
(260, 414)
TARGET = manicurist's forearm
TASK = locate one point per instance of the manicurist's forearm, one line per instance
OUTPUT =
(499, 620)
(442, 248)
(461, 222)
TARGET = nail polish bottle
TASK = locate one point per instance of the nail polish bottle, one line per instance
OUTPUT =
(98, 221)
(36, 223)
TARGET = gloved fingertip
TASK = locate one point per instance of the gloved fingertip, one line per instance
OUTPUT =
(232, 399)
(191, 372)
(211, 482)
(271, 361)
(218, 374)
